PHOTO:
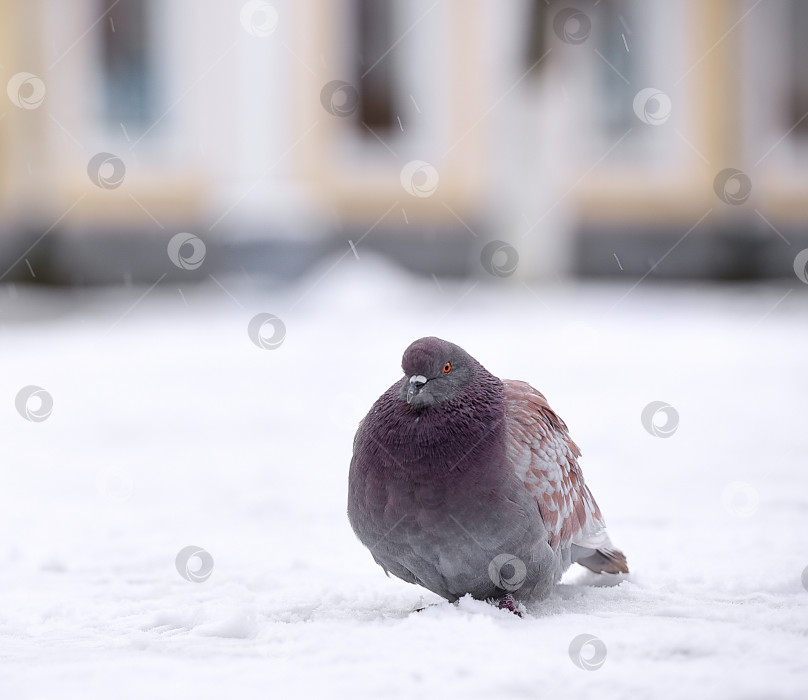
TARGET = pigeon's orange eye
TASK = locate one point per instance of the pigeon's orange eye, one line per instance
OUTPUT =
(447, 368)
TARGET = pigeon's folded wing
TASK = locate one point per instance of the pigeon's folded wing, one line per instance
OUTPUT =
(546, 459)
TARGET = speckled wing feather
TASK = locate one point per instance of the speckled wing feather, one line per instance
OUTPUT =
(546, 459)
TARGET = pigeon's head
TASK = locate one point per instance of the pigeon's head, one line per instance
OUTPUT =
(434, 371)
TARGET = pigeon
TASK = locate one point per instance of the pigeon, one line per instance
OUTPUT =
(466, 484)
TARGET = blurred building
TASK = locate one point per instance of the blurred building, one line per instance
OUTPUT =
(608, 137)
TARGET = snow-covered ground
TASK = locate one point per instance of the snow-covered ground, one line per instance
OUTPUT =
(170, 428)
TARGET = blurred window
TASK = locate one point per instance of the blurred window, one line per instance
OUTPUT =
(798, 101)
(615, 65)
(126, 59)
(376, 37)
(608, 50)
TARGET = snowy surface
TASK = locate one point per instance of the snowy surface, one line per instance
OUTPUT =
(170, 428)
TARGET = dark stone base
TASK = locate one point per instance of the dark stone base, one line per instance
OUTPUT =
(740, 253)
(66, 257)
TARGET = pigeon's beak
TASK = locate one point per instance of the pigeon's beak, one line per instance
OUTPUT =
(416, 382)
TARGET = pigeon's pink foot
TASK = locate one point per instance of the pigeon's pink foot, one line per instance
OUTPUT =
(507, 602)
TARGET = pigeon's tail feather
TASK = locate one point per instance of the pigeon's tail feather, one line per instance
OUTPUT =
(605, 561)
